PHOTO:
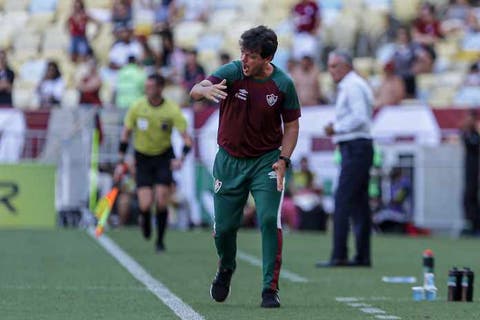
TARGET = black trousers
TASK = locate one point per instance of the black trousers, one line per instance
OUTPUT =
(352, 201)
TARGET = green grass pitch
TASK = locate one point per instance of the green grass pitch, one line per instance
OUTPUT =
(65, 274)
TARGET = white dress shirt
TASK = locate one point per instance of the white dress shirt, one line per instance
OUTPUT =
(353, 109)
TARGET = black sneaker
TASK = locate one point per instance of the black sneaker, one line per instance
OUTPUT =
(146, 225)
(220, 288)
(270, 299)
(159, 247)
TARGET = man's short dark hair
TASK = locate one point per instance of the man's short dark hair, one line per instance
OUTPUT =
(159, 79)
(261, 40)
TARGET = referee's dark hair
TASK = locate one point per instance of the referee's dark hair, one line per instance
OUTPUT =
(158, 78)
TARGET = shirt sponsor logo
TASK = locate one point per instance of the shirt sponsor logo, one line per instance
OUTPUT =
(272, 175)
(217, 185)
(142, 124)
(271, 99)
(242, 94)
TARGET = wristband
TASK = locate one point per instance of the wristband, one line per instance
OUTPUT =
(124, 166)
(186, 149)
(122, 148)
(287, 161)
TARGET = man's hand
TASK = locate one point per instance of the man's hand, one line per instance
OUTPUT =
(120, 170)
(329, 131)
(176, 164)
(215, 92)
(279, 167)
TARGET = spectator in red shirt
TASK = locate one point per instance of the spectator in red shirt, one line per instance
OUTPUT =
(426, 28)
(306, 19)
(77, 26)
(90, 85)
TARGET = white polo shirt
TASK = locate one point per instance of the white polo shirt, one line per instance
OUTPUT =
(353, 109)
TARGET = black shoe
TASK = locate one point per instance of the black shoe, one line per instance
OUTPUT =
(160, 247)
(332, 264)
(356, 263)
(220, 288)
(270, 299)
(146, 225)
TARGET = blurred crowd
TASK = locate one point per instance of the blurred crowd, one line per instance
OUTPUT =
(98, 53)
(397, 56)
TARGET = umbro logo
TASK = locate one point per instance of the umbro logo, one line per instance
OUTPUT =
(217, 186)
(272, 175)
(271, 99)
(242, 94)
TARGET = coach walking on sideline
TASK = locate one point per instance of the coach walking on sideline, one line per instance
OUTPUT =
(258, 130)
(351, 131)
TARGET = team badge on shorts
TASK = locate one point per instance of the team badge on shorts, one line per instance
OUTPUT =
(217, 185)
(271, 99)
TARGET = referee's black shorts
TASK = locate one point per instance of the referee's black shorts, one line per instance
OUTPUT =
(152, 170)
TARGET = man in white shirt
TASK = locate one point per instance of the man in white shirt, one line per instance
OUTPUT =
(351, 132)
(125, 47)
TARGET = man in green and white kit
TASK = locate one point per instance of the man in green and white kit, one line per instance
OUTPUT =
(257, 134)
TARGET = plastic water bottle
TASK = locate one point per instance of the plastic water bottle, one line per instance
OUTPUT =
(467, 285)
(428, 261)
(454, 284)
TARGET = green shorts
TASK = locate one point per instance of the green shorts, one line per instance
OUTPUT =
(235, 177)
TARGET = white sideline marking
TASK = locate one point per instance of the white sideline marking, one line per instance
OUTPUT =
(373, 310)
(73, 288)
(181, 309)
(283, 272)
(355, 302)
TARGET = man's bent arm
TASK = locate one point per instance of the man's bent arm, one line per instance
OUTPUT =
(290, 137)
(205, 89)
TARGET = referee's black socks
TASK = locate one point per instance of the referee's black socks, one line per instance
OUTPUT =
(162, 217)
(146, 223)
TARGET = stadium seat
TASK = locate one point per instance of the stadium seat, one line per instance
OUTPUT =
(26, 44)
(373, 23)
(25, 98)
(15, 5)
(364, 66)
(405, 10)
(55, 40)
(353, 5)
(384, 5)
(102, 44)
(15, 19)
(6, 35)
(40, 21)
(106, 4)
(209, 60)
(327, 85)
(221, 18)
(70, 99)
(344, 37)
(186, 33)
(176, 93)
(42, 6)
(32, 70)
(451, 79)
(441, 97)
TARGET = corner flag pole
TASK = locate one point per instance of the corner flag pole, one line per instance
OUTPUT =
(94, 170)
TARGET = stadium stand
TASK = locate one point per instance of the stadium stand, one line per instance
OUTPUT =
(363, 24)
